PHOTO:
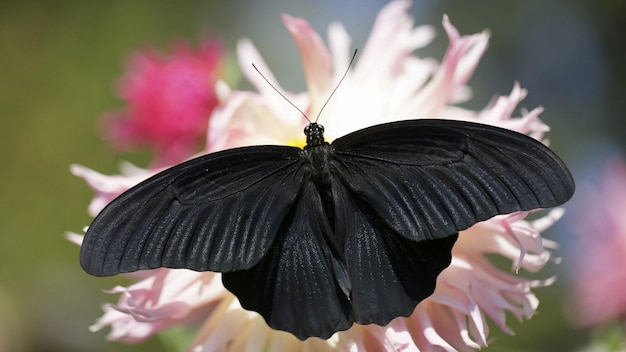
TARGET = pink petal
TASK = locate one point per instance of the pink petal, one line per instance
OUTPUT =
(391, 41)
(106, 187)
(316, 60)
(458, 64)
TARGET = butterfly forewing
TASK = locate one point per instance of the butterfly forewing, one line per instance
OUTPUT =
(218, 212)
(432, 178)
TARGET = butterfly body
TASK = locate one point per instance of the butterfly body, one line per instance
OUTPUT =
(318, 238)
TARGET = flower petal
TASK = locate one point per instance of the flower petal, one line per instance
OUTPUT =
(316, 60)
(458, 64)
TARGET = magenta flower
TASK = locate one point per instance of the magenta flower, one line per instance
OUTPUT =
(169, 99)
(600, 221)
(387, 83)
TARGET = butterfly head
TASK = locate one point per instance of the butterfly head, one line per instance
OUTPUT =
(314, 134)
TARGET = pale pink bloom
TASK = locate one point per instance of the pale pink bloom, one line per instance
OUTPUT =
(109, 187)
(388, 82)
(169, 98)
(163, 299)
(600, 222)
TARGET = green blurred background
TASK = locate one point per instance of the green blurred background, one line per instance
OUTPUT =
(60, 60)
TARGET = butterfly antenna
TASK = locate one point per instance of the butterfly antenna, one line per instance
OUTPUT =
(281, 94)
(337, 86)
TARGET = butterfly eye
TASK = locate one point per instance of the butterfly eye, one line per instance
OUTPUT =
(307, 129)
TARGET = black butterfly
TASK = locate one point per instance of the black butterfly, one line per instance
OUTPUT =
(318, 238)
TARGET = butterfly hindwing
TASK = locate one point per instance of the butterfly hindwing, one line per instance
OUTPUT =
(429, 179)
(297, 286)
(218, 212)
(390, 274)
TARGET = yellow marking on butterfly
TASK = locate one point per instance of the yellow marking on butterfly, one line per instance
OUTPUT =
(297, 142)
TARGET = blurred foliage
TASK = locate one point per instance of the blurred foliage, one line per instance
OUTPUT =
(59, 62)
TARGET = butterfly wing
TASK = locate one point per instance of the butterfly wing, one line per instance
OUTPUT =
(389, 273)
(218, 212)
(432, 178)
(403, 191)
(300, 285)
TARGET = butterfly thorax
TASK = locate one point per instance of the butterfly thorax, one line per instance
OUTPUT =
(316, 152)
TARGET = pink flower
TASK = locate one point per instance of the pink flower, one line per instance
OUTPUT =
(600, 281)
(169, 100)
(387, 83)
